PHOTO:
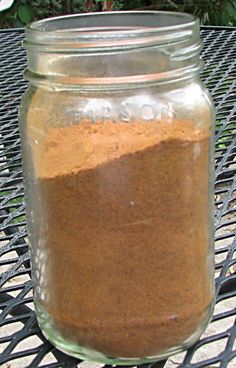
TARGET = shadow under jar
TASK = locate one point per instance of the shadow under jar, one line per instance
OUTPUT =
(116, 130)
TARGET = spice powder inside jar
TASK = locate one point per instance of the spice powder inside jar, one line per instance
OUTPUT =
(126, 233)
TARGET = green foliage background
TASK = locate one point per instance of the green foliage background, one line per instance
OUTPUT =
(211, 12)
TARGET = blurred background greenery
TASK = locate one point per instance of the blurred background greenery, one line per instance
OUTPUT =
(21, 12)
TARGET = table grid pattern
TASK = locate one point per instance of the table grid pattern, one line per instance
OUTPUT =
(21, 342)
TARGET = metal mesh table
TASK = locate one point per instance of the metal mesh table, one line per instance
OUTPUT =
(21, 342)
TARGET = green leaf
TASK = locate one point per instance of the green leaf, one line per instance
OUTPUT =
(18, 24)
(25, 13)
(232, 3)
(228, 14)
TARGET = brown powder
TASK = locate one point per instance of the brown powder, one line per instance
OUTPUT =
(126, 233)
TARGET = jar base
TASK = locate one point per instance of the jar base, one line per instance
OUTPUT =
(79, 352)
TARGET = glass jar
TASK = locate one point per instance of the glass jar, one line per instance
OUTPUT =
(116, 131)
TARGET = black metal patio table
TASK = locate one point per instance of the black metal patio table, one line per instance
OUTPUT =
(21, 342)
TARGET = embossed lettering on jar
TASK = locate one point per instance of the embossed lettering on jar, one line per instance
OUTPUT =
(116, 130)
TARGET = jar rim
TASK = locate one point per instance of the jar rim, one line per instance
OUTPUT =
(96, 44)
(185, 18)
(109, 29)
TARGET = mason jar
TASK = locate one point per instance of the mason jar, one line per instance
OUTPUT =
(116, 133)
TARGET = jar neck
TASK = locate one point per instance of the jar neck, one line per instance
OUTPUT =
(113, 49)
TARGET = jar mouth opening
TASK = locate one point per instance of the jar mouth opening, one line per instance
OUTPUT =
(113, 48)
(109, 29)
